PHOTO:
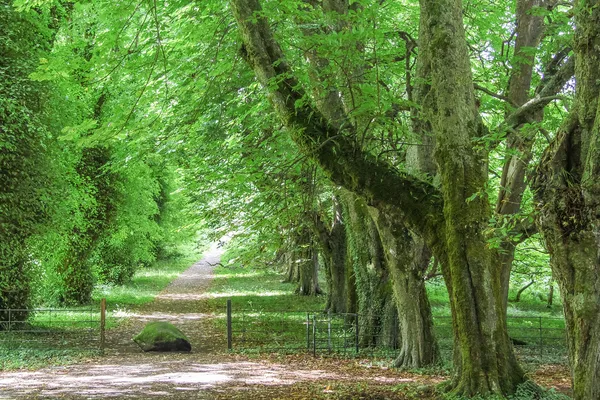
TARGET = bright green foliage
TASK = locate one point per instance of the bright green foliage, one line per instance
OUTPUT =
(25, 166)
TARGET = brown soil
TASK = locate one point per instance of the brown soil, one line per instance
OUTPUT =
(209, 372)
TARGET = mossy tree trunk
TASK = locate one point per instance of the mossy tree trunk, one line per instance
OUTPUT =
(484, 361)
(307, 261)
(568, 200)
(372, 282)
(450, 225)
(332, 241)
(407, 261)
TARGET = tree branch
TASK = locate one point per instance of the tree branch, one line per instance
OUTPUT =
(495, 95)
(346, 164)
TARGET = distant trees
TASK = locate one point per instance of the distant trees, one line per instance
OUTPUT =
(75, 210)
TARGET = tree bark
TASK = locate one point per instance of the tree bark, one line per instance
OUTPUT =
(407, 262)
(307, 263)
(529, 31)
(372, 282)
(568, 201)
(484, 361)
(520, 292)
(333, 243)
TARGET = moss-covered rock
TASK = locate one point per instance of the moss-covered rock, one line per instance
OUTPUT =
(162, 336)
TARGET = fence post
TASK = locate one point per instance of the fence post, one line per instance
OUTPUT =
(395, 332)
(307, 331)
(102, 324)
(329, 331)
(356, 332)
(9, 320)
(314, 335)
(541, 340)
(229, 328)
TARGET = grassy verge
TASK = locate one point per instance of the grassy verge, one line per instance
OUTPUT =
(269, 317)
(258, 290)
(63, 336)
(147, 282)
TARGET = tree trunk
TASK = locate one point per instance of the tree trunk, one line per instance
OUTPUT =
(568, 200)
(529, 31)
(371, 279)
(333, 244)
(484, 362)
(291, 276)
(484, 358)
(307, 262)
(551, 294)
(407, 261)
(520, 292)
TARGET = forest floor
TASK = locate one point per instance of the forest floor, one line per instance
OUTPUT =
(209, 371)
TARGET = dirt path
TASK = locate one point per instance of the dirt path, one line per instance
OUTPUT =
(209, 372)
(206, 373)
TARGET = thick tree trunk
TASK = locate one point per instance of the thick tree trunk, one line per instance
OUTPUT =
(407, 261)
(291, 276)
(484, 361)
(307, 262)
(568, 200)
(333, 243)
(291, 271)
(373, 295)
(575, 265)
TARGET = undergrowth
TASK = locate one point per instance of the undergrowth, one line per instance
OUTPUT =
(33, 351)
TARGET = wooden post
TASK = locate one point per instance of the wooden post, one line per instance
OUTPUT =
(229, 328)
(541, 340)
(356, 337)
(308, 331)
(102, 324)
(329, 331)
(314, 338)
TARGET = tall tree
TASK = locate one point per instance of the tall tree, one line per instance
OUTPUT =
(452, 226)
(25, 168)
(568, 202)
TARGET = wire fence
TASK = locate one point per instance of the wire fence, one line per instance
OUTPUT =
(61, 329)
(537, 340)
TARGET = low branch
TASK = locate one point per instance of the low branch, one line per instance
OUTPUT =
(495, 95)
(525, 229)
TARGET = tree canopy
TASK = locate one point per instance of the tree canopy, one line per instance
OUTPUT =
(376, 142)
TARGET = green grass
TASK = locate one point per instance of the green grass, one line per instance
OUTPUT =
(147, 282)
(269, 316)
(53, 341)
(530, 304)
(258, 290)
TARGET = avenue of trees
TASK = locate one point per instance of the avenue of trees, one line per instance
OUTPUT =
(380, 143)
